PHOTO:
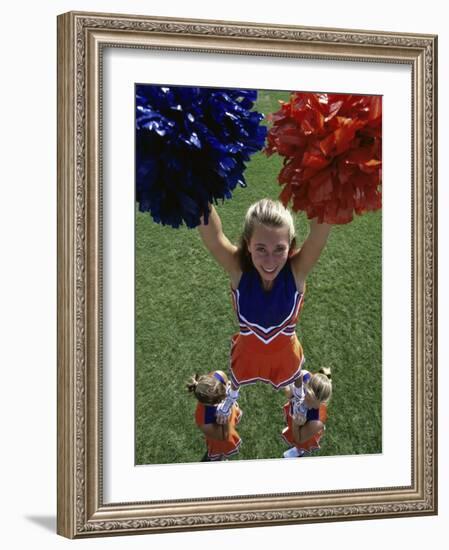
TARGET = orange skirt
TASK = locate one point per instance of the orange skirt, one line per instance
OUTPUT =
(311, 444)
(218, 449)
(277, 363)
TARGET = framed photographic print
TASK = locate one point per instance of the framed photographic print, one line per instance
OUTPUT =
(157, 120)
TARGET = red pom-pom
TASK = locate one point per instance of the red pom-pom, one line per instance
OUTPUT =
(332, 144)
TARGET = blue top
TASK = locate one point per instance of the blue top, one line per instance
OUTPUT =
(267, 314)
(312, 414)
(210, 414)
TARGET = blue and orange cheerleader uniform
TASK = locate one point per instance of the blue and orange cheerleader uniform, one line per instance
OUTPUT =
(311, 444)
(266, 349)
(220, 449)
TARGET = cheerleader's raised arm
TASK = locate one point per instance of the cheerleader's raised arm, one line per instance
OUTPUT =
(225, 253)
(303, 261)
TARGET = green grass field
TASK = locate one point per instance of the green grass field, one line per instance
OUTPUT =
(184, 321)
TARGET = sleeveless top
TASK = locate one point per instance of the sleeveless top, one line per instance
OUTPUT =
(267, 314)
(207, 414)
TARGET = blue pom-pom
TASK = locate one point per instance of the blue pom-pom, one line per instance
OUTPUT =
(191, 148)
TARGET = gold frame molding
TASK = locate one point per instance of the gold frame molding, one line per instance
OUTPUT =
(81, 37)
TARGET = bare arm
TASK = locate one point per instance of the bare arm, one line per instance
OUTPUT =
(224, 252)
(216, 431)
(306, 431)
(304, 260)
(298, 382)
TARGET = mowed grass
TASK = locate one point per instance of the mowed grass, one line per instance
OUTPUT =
(184, 321)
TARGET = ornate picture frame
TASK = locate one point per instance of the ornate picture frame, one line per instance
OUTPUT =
(82, 509)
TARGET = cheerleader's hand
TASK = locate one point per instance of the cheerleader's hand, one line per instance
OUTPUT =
(225, 407)
(222, 418)
(299, 408)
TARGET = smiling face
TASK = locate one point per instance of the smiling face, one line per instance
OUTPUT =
(269, 248)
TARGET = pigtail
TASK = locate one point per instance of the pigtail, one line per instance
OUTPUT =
(326, 371)
(206, 388)
(192, 384)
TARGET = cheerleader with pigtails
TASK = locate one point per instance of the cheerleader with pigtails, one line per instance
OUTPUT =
(222, 440)
(306, 423)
